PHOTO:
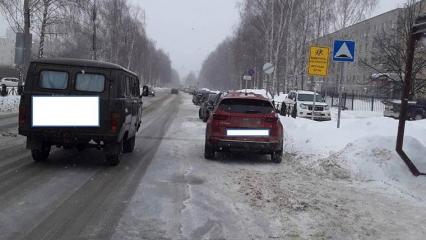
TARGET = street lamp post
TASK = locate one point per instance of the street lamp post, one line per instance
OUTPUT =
(418, 31)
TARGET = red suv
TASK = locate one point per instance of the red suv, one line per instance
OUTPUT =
(246, 123)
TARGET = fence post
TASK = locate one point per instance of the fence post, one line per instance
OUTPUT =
(353, 98)
(3, 90)
(344, 101)
(332, 100)
(372, 103)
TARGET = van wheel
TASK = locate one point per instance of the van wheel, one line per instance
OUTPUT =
(40, 155)
(418, 117)
(129, 145)
(208, 152)
(277, 156)
(113, 156)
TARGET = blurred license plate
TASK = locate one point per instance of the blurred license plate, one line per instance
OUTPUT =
(247, 132)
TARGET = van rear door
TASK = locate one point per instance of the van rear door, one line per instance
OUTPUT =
(61, 80)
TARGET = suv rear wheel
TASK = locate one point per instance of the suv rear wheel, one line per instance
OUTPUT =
(208, 152)
(129, 145)
(206, 117)
(277, 156)
(41, 155)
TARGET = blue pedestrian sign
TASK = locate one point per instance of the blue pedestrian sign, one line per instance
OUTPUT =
(344, 51)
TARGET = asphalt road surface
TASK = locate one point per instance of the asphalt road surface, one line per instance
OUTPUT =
(73, 195)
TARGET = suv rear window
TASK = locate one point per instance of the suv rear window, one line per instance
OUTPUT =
(53, 80)
(90, 82)
(250, 106)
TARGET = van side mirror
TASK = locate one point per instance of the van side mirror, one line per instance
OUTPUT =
(145, 91)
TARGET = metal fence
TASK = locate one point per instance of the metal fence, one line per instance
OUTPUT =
(355, 102)
(8, 91)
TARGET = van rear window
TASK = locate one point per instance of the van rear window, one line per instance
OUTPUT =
(90, 82)
(53, 80)
(250, 106)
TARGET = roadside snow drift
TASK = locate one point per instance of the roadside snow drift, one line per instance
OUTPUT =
(9, 103)
(364, 148)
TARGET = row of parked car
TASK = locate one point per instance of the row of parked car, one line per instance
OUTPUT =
(240, 122)
(207, 101)
(416, 110)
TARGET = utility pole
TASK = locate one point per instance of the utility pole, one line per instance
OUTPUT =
(418, 31)
(27, 38)
(94, 37)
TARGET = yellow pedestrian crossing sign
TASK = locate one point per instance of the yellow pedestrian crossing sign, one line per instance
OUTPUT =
(318, 61)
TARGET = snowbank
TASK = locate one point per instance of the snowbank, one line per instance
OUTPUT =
(9, 103)
(364, 147)
(209, 90)
(277, 98)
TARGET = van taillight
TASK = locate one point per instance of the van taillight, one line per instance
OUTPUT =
(22, 116)
(115, 122)
(220, 117)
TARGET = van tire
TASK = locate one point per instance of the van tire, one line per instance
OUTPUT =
(40, 155)
(277, 156)
(129, 145)
(113, 158)
(199, 114)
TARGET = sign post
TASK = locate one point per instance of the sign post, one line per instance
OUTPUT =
(318, 66)
(268, 69)
(246, 78)
(343, 51)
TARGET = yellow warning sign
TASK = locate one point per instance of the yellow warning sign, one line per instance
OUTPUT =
(318, 61)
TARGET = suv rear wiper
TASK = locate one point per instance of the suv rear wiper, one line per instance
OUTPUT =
(253, 111)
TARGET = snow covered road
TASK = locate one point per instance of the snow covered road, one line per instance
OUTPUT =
(346, 184)
(308, 196)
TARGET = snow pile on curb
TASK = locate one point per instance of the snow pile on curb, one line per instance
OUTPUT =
(364, 148)
(9, 103)
(262, 92)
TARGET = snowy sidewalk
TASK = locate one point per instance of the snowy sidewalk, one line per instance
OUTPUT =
(9, 104)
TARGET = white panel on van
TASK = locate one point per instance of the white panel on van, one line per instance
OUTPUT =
(70, 111)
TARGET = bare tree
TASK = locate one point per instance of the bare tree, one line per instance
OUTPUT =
(349, 12)
(48, 13)
(280, 32)
(18, 14)
(390, 54)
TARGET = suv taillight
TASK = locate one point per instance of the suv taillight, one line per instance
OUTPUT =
(271, 119)
(22, 116)
(115, 122)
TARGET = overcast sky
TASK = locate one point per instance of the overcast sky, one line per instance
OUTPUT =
(188, 30)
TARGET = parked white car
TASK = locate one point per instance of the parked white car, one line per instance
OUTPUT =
(303, 101)
(9, 82)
